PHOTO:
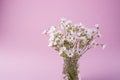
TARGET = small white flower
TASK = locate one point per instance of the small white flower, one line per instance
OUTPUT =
(68, 22)
(97, 26)
(79, 51)
(51, 38)
(44, 32)
(94, 31)
(79, 33)
(62, 26)
(89, 31)
(104, 46)
(50, 44)
(52, 29)
(93, 43)
(76, 25)
(51, 34)
(63, 19)
(69, 38)
(62, 49)
(71, 52)
(57, 39)
(70, 55)
(83, 28)
(83, 38)
(55, 43)
(71, 31)
(80, 24)
(59, 31)
(99, 35)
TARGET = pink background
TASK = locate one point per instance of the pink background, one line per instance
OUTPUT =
(24, 54)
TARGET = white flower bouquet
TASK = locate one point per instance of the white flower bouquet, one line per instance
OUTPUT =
(72, 41)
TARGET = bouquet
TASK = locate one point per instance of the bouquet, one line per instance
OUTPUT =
(72, 41)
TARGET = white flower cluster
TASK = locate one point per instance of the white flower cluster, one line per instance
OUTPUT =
(69, 39)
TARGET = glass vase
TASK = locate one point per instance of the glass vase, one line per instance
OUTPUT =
(70, 68)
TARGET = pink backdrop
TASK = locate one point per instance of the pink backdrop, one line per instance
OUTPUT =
(24, 54)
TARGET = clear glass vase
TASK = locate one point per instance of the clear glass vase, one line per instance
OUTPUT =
(70, 68)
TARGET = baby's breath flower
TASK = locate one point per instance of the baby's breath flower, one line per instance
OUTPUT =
(50, 44)
(68, 22)
(104, 46)
(72, 41)
(44, 32)
(99, 35)
(62, 26)
(80, 24)
(51, 38)
(71, 38)
(62, 49)
(51, 30)
(97, 26)
(63, 20)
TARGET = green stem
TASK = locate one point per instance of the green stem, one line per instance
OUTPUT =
(70, 68)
